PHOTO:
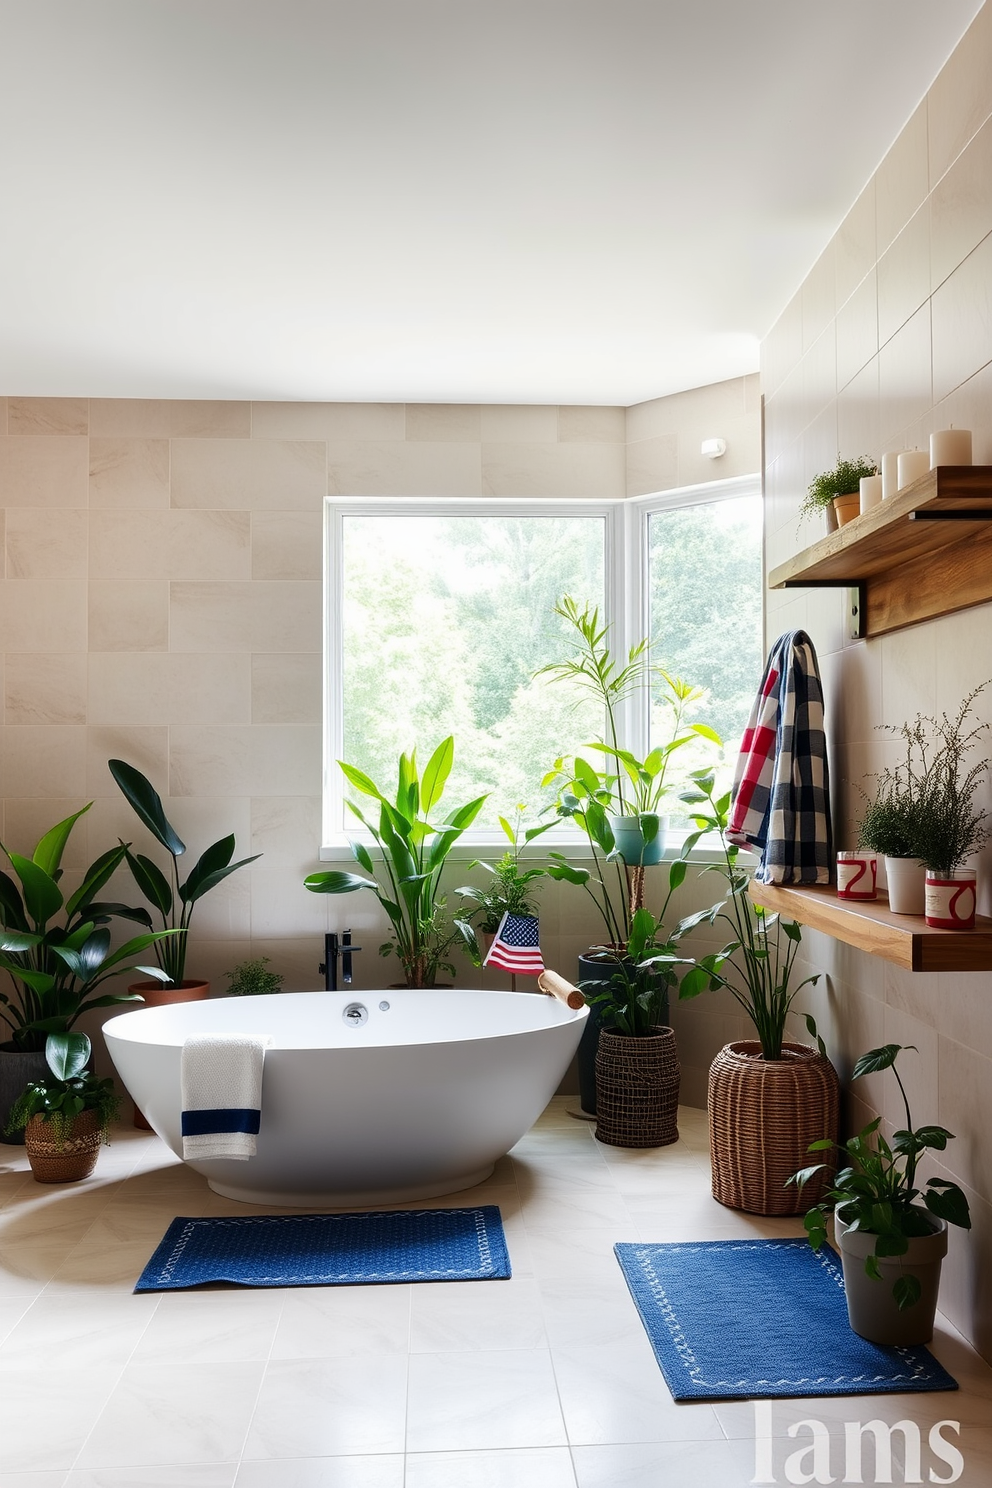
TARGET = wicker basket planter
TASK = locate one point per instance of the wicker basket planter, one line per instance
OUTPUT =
(763, 1114)
(637, 1089)
(63, 1162)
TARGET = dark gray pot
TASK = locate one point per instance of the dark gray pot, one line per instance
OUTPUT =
(17, 1070)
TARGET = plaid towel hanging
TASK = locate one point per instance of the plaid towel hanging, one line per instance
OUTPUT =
(781, 798)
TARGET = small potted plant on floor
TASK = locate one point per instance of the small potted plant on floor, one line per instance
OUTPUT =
(66, 1113)
(837, 492)
(250, 979)
(173, 901)
(891, 1244)
(768, 1097)
(412, 848)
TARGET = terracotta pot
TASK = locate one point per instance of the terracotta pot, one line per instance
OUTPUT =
(847, 507)
(871, 1307)
(63, 1162)
(763, 1114)
(637, 1089)
(157, 995)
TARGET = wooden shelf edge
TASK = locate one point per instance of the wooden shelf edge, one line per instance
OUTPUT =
(883, 539)
(904, 940)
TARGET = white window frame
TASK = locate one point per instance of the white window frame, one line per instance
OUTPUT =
(626, 604)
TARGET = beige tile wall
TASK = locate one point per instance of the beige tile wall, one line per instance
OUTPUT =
(161, 601)
(890, 338)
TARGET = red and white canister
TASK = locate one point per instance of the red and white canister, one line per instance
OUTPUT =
(857, 875)
(951, 900)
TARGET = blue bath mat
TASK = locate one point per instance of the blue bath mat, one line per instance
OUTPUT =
(761, 1318)
(285, 1250)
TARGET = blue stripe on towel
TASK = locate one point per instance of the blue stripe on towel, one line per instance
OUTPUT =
(223, 1119)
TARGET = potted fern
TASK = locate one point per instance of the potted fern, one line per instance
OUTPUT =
(837, 492)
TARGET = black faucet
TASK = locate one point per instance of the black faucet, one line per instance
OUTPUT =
(333, 948)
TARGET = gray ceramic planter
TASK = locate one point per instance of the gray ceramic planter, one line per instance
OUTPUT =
(871, 1306)
(17, 1071)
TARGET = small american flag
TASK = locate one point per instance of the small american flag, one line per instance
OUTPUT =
(516, 947)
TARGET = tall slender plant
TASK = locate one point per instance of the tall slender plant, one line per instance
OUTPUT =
(756, 965)
(174, 901)
(412, 849)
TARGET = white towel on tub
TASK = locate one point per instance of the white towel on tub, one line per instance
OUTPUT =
(222, 1094)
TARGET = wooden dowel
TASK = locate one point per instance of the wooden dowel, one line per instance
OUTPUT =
(554, 985)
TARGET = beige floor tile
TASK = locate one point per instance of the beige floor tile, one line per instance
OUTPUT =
(216, 1327)
(543, 1467)
(478, 1401)
(80, 1331)
(175, 1475)
(382, 1471)
(485, 1315)
(676, 1464)
(327, 1407)
(615, 1392)
(336, 1322)
(33, 1436)
(158, 1415)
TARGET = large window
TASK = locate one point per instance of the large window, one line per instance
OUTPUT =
(439, 614)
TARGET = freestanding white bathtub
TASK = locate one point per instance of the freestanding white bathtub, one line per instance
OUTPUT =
(367, 1097)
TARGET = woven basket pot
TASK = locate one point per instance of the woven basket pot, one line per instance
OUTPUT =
(68, 1161)
(763, 1115)
(637, 1089)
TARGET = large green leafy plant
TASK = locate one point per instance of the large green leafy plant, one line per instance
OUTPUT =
(69, 1090)
(876, 1192)
(55, 949)
(756, 965)
(412, 848)
(173, 901)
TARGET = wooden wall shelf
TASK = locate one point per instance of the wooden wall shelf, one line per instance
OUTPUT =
(906, 940)
(925, 552)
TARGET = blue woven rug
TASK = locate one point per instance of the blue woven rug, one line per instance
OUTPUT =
(330, 1249)
(761, 1318)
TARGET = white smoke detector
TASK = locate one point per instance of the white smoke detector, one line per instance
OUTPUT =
(713, 448)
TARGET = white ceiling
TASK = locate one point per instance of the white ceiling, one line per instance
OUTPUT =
(572, 201)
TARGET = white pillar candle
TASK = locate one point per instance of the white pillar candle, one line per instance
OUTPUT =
(950, 447)
(890, 474)
(871, 491)
(912, 464)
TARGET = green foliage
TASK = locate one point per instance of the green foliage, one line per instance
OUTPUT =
(843, 479)
(173, 901)
(756, 965)
(632, 1001)
(250, 978)
(55, 949)
(412, 849)
(925, 807)
(69, 1090)
(876, 1191)
(510, 889)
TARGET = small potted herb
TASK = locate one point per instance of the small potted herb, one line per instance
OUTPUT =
(250, 978)
(65, 1114)
(891, 1245)
(838, 490)
(509, 889)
